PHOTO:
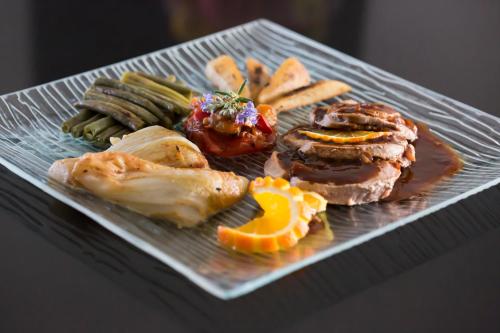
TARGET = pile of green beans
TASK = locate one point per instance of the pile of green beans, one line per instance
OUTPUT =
(113, 108)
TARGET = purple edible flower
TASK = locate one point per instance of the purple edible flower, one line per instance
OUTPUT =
(207, 100)
(247, 115)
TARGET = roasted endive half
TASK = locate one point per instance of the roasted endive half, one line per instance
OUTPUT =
(184, 196)
(160, 145)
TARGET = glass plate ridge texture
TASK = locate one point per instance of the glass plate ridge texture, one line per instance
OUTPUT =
(30, 140)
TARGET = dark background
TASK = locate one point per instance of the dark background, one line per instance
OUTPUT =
(59, 271)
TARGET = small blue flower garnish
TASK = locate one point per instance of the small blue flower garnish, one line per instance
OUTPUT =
(247, 115)
(230, 105)
(207, 101)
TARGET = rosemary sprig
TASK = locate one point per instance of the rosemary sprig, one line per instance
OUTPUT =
(242, 86)
(230, 104)
(220, 92)
(242, 100)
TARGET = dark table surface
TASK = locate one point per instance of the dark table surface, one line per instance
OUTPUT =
(61, 272)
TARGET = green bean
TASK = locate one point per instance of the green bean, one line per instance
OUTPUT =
(194, 92)
(78, 118)
(167, 122)
(77, 130)
(109, 131)
(132, 97)
(92, 129)
(121, 133)
(177, 108)
(102, 139)
(183, 90)
(174, 96)
(159, 100)
(99, 144)
(120, 114)
(139, 111)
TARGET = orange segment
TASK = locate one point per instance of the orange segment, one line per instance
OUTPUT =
(315, 201)
(343, 136)
(287, 212)
(268, 112)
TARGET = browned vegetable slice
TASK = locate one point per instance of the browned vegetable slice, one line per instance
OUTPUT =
(289, 76)
(225, 75)
(258, 76)
(313, 93)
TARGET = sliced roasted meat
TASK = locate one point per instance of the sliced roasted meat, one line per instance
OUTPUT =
(387, 148)
(351, 115)
(342, 183)
(352, 153)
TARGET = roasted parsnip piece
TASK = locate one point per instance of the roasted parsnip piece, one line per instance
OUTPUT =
(225, 75)
(316, 92)
(258, 76)
(289, 76)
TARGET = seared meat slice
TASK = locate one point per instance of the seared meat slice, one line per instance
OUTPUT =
(408, 156)
(351, 115)
(387, 148)
(275, 168)
(371, 190)
(347, 168)
(348, 183)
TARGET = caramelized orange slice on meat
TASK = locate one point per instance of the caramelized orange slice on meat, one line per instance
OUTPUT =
(343, 136)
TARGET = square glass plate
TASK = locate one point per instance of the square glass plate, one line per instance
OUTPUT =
(30, 140)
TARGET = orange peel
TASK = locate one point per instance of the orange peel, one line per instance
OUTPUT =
(343, 136)
(285, 220)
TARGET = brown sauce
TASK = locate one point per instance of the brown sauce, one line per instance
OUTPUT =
(435, 161)
(337, 174)
(321, 171)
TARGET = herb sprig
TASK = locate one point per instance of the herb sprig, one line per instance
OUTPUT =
(230, 105)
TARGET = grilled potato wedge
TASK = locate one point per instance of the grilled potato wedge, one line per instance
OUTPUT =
(258, 76)
(225, 75)
(316, 92)
(289, 76)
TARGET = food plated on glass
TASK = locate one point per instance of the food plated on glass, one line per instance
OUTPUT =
(237, 184)
(161, 173)
(350, 153)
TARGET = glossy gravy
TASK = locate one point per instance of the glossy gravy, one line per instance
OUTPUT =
(321, 171)
(435, 161)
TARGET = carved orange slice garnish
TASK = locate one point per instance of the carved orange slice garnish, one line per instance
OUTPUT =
(287, 212)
